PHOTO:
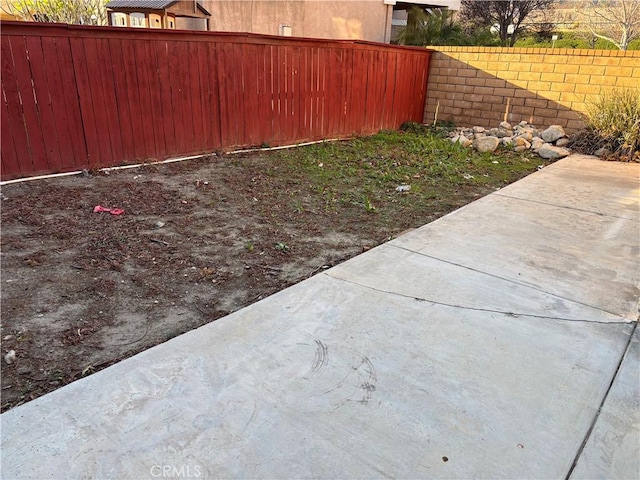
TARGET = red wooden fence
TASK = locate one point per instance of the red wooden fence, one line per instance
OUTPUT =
(81, 97)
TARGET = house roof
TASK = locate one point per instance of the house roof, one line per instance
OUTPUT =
(148, 4)
(151, 4)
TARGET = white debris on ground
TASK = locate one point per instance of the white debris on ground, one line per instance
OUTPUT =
(549, 143)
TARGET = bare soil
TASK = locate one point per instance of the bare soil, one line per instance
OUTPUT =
(83, 290)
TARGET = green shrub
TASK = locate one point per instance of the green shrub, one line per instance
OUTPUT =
(566, 40)
(615, 119)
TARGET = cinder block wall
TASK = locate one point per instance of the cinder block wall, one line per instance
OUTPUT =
(480, 85)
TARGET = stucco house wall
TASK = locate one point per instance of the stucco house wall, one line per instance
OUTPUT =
(351, 19)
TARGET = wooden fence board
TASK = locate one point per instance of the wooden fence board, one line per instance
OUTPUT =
(169, 117)
(155, 99)
(70, 99)
(20, 56)
(14, 109)
(215, 121)
(43, 101)
(86, 102)
(263, 114)
(76, 96)
(10, 164)
(126, 96)
(103, 69)
(140, 103)
(130, 100)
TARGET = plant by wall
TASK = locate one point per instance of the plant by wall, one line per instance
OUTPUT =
(430, 27)
(613, 125)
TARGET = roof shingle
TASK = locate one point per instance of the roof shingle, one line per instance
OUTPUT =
(151, 4)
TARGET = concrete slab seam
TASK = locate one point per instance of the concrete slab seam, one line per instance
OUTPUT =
(600, 214)
(476, 309)
(533, 287)
(602, 402)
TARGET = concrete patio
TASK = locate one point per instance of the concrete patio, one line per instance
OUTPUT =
(499, 341)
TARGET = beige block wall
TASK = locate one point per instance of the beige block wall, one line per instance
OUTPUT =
(352, 19)
(480, 85)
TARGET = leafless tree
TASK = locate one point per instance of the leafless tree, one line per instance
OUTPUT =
(507, 16)
(617, 21)
(84, 12)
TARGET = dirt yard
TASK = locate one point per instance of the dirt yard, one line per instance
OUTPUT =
(198, 239)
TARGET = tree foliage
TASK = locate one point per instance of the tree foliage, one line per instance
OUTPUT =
(506, 16)
(617, 21)
(430, 27)
(84, 12)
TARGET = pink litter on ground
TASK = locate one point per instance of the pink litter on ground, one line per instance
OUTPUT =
(112, 211)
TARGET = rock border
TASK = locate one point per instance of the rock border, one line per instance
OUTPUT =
(549, 143)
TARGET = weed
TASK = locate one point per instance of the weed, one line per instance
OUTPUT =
(249, 247)
(282, 247)
(298, 207)
(368, 206)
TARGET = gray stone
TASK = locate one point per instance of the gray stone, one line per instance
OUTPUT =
(602, 152)
(504, 133)
(10, 357)
(527, 134)
(507, 141)
(478, 129)
(462, 140)
(563, 142)
(552, 152)
(486, 144)
(553, 133)
(505, 125)
(537, 143)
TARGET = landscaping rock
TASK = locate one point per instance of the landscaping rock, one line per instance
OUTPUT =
(527, 134)
(462, 140)
(520, 137)
(486, 144)
(553, 133)
(537, 144)
(403, 188)
(10, 357)
(602, 152)
(552, 152)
